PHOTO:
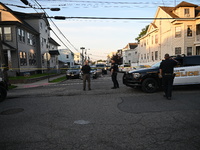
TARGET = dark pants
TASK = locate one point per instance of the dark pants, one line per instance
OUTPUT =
(86, 77)
(114, 79)
(167, 82)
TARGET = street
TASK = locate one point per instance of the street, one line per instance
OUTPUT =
(64, 117)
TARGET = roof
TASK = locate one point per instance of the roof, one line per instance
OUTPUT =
(169, 10)
(31, 16)
(185, 4)
(26, 25)
(52, 41)
(131, 46)
(7, 45)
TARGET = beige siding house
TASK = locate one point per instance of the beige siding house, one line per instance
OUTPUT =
(175, 30)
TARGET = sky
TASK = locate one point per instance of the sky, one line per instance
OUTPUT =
(98, 36)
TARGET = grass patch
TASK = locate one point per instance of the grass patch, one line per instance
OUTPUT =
(31, 76)
(58, 79)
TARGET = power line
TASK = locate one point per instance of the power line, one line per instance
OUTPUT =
(116, 18)
(58, 30)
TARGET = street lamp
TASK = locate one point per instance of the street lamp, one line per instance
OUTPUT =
(82, 48)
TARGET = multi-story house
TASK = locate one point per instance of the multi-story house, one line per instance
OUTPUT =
(66, 56)
(25, 40)
(130, 54)
(175, 30)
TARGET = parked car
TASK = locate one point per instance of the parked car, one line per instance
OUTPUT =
(73, 72)
(102, 67)
(94, 73)
(187, 73)
(125, 68)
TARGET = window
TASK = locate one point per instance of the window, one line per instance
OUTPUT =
(156, 55)
(32, 58)
(23, 58)
(145, 56)
(7, 34)
(141, 57)
(189, 31)
(152, 56)
(177, 32)
(187, 12)
(40, 25)
(21, 35)
(156, 38)
(67, 56)
(31, 39)
(177, 50)
(189, 51)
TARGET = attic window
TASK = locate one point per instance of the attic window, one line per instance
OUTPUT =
(187, 12)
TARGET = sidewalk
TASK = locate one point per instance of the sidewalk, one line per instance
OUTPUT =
(43, 82)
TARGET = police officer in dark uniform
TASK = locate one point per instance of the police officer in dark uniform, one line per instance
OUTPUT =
(86, 75)
(167, 75)
(114, 69)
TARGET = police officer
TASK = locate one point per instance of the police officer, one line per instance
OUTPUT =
(86, 75)
(167, 75)
(114, 69)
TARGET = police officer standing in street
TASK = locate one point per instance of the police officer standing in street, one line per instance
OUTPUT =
(167, 74)
(86, 75)
(114, 69)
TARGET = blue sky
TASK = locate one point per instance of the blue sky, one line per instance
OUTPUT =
(99, 37)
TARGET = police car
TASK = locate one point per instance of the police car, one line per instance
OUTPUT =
(187, 72)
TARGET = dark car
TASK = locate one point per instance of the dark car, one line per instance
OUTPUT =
(187, 72)
(94, 73)
(102, 67)
(73, 72)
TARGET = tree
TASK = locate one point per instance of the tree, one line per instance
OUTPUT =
(117, 58)
(142, 33)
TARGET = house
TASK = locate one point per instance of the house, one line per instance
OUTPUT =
(175, 30)
(66, 56)
(130, 54)
(25, 41)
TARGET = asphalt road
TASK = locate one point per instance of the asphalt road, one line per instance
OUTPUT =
(64, 117)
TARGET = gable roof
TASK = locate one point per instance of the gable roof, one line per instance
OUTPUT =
(185, 4)
(169, 11)
(131, 46)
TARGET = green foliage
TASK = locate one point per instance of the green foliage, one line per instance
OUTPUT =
(142, 33)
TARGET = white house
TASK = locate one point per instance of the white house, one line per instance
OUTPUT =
(66, 56)
(130, 54)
